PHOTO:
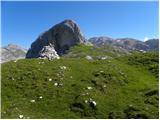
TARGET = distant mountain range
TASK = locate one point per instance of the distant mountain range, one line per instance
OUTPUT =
(61, 37)
(128, 44)
(12, 52)
(124, 45)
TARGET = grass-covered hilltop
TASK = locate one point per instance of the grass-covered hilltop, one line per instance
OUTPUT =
(88, 82)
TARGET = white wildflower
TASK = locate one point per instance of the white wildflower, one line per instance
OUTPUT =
(63, 67)
(32, 101)
(89, 88)
(104, 86)
(61, 84)
(86, 101)
(40, 97)
(55, 84)
(21, 116)
(90, 99)
(101, 71)
(50, 79)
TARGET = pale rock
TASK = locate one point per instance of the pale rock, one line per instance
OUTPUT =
(89, 57)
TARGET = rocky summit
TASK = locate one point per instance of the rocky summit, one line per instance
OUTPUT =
(56, 41)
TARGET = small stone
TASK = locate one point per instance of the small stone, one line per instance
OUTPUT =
(21, 116)
(93, 104)
(89, 57)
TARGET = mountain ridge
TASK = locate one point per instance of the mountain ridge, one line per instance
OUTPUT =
(12, 52)
(126, 43)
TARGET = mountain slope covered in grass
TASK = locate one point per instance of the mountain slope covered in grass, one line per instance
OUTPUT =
(121, 87)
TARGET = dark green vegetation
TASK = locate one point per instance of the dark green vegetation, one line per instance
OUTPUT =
(122, 87)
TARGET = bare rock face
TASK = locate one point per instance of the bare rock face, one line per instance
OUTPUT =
(58, 39)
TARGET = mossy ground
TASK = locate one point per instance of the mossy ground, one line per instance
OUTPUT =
(121, 88)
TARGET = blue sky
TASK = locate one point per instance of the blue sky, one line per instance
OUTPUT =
(22, 22)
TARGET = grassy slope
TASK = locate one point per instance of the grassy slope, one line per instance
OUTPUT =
(131, 90)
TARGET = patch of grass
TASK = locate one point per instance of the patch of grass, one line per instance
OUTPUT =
(119, 88)
(81, 51)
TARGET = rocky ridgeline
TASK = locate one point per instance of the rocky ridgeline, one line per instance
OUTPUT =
(127, 44)
(12, 52)
(56, 41)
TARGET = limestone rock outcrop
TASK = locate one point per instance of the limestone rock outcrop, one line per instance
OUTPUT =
(58, 40)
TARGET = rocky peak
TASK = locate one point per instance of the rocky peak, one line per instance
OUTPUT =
(12, 52)
(60, 37)
(69, 23)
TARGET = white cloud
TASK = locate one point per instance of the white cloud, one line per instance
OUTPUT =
(145, 39)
